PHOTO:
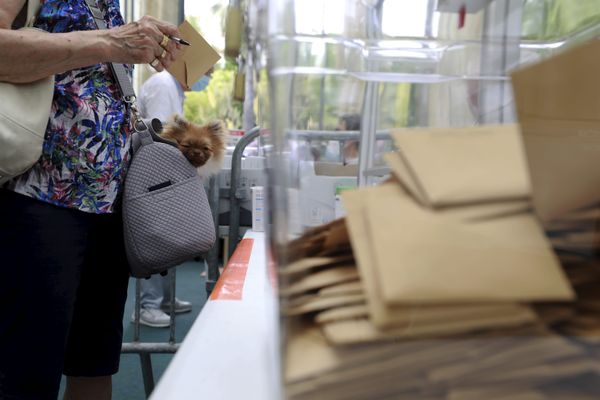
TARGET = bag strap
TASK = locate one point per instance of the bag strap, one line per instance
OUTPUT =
(27, 14)
(33, 6)
(118, 70)
(146, 131)
(139, 139)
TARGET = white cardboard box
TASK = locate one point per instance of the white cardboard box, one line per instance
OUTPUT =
(317, 197)
(258, 209)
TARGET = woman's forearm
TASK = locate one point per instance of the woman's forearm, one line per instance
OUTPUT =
(27, 55)
(31, 54)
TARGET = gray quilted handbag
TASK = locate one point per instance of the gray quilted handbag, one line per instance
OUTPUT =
(166, 215)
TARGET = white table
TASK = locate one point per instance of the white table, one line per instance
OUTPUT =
(232, 350)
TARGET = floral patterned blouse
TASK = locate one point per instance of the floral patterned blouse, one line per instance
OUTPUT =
(86, 146)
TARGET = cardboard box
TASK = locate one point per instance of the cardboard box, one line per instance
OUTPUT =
(258, 209)
(319, 182)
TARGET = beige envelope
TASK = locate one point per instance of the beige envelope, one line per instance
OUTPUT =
(321, 279)
(305, 264)
(426, 257)
(354, 331)
(353, 287)
(437, 320)
(496, 393)
(448, 166)
(196, 59)
(559, 112)
(518, 352)
(342, 313)
(544, 373)
(382, 314)
(379, 370)
(307, 355)
(320, 303)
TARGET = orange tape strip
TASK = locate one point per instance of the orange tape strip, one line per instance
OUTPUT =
(230, 285)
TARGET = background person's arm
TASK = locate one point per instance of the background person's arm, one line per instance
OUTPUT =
(28, 55)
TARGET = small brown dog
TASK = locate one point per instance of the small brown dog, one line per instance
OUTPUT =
(203, 146)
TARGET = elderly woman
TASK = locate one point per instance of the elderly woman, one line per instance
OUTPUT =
(64, 271)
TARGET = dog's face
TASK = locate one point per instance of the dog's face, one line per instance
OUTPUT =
(199, 144)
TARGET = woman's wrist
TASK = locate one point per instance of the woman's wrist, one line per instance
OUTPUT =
(104, 46)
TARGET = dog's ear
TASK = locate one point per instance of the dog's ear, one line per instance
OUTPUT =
(216, 128)
(180, 121)
(175, 128)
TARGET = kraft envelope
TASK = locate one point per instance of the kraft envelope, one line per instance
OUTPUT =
(424, 257)
(437, 319)
(543, 373)
(318, 303)
(517, 352)
(342, 313)
(305, 264)
(353, 331)
(559, 112)
(448, 166)
(196, 59)
(382, 314)
(320, 280)
(495, 393)
(354, 287)
(307, 355)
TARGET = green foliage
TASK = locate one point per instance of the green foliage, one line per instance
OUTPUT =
(230, 65)
(215, 102)
(553, 19)
(394, 100)
(336, 94)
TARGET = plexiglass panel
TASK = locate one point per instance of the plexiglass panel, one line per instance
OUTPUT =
(338, 81)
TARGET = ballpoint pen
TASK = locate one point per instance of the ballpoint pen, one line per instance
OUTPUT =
(179, 40)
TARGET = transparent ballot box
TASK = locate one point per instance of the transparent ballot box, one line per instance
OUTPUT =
(434, 195)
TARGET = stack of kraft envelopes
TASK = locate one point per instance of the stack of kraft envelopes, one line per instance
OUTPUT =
(455, 279)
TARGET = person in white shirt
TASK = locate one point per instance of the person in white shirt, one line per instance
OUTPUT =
(160, 97)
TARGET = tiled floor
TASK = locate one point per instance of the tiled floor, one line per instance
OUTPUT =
(128, 384)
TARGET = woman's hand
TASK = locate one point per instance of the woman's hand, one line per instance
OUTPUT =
(35, 54)
(144, 42)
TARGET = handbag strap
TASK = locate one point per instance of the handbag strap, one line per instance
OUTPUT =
(26, 16)
(118, 70)
(33, 6)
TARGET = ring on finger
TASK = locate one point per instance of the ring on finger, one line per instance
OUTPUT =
(163, 54)
(165, 41)
(155, 63)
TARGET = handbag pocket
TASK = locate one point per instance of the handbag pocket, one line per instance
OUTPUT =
(24, 114)
(168, 226)
(20, 147)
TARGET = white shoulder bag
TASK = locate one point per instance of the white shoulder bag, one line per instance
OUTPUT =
(24, 114)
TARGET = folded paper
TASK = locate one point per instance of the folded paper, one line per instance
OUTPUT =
(449, 166)
(559, 113)
(424, 257)
(196, 59)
